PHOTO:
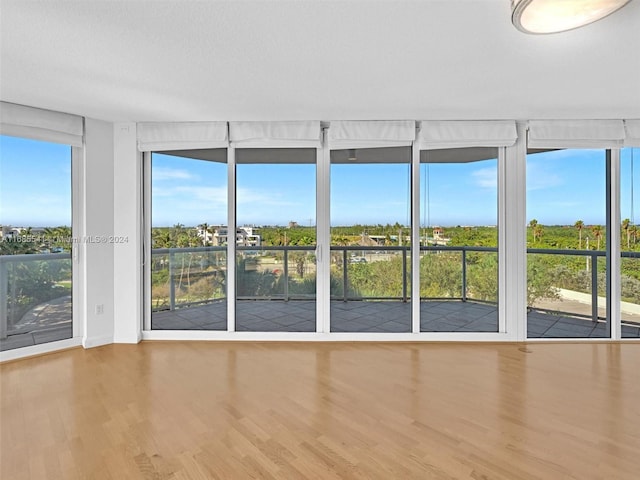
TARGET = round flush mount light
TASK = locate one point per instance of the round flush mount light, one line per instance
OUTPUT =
(552, 16)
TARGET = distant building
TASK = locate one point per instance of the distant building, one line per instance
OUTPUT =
(205, 235)
(438, 237)
(8, 232)
(293, 225)
(245, 236)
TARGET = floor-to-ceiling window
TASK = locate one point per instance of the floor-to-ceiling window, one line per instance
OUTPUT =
(275, 239)
(36, 242)
(630, 241)
(566, 244)
(189, 235)
(370, 210)
(459, 240)
(288, 204)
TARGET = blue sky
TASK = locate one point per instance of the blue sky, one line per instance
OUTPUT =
(35, 183)
(562, 187)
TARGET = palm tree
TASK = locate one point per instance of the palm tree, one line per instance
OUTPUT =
(193, 238)
(579, 225)
(281, 235)
(204, 228)
(176, 232)
(626, 223)
(634, 233)
(161, 238)
(597, 232)
(532, 225)
(538, 231)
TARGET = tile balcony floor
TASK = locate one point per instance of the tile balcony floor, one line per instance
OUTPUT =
(52, 322)
(377, 316)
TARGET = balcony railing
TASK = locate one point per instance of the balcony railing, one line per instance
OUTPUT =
(29, 280)
(344, 260)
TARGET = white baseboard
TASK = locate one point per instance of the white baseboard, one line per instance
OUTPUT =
(91, 342)
(40, 349)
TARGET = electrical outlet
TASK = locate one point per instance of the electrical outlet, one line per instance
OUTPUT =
(99, 309)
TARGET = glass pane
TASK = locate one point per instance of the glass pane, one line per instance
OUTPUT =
(188, 236)
(276, 240)
(459, 240)
(630, 241)
(35, 247)
(566, 260)
(370, 240)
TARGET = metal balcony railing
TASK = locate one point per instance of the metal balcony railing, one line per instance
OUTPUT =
(345, 258)
(216, 257)
(9, 289)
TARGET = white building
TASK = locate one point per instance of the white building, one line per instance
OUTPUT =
(244, 237)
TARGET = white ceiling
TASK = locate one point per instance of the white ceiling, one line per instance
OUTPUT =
(324, 60)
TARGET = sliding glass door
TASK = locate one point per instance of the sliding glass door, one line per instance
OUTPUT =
(275, 239)
(188, 240)
(35, 243)
(459, 240)
(566, 244)
(630, 242)
(370, 211)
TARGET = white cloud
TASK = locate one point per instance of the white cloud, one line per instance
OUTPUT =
(486, 178)
(540, 177)
(203, 194)
(167, 173)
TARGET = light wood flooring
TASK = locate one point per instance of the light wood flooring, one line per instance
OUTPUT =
(204, 410)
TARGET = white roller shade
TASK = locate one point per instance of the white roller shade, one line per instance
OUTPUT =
(632, 133)
(371, 134)
(576, 133)
(38, 124)
(276, 134)
(161, 136)
(461, 134)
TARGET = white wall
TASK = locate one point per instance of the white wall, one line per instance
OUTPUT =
(96, 249)
(111, 275)
(127, 225)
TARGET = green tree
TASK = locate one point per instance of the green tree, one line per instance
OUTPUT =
(597, 233)
(539, 280)
(532, 225)
(58, 237)
(538, 232)
(204, 227)
(579, 225)
(626, 227)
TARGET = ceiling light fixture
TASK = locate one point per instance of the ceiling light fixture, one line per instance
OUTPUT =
(552, 16)
(352, 155)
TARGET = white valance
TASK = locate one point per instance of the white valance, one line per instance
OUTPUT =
(632, 133)
(276, 134)
(576, 133)
(38, 124)
(461, 134)
(166, 136)
(371, 134)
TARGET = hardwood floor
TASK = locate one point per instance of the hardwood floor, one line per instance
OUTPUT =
(198, 410)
